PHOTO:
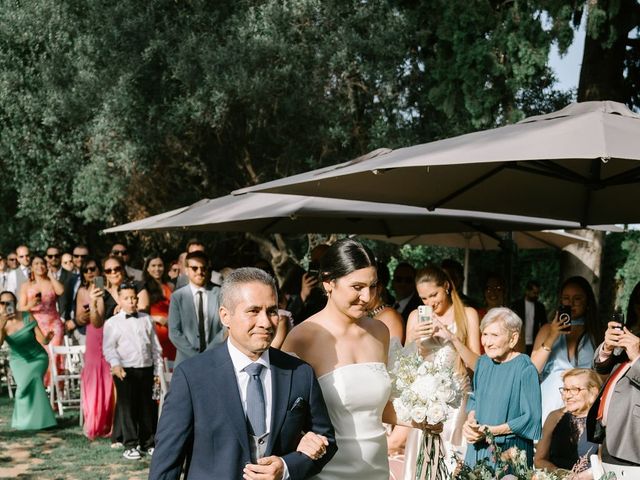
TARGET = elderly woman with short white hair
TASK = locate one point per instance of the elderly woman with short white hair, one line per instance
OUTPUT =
(506, 399)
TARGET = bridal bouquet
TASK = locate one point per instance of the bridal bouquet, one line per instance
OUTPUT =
(424, 392)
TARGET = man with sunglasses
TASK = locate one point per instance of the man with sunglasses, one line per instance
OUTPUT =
(194, 321)
(120, 250)
(21, 274)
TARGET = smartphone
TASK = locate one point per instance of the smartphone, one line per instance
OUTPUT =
(618, 316)
(10, 308)
(564, 314)
(425, 313)
(314, 270)
(98, 282)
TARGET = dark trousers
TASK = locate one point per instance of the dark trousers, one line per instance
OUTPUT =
(136, 411)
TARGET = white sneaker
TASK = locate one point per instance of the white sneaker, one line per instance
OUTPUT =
(132, 454)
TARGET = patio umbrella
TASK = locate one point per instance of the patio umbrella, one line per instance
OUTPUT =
(278, 213)
(578, 164)
(524, 240)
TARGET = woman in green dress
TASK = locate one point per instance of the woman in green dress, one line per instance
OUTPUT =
(29, 362)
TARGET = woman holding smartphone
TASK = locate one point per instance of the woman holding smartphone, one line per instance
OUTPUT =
(568, 341)
(97, 383)
(28, 361)
(39, 296)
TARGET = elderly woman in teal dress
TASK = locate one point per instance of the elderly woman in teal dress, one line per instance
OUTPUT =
(506, 392)
(28, 361)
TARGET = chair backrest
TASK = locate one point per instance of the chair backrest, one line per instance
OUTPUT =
(73, 356)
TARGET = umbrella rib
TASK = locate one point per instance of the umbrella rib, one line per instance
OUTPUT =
(551, 173)
(467, 187)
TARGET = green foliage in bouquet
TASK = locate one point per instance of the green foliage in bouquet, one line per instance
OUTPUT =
(512, 465)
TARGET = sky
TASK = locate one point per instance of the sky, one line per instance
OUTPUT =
(567, 67)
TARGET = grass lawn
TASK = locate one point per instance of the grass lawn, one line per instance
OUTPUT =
(62, 452)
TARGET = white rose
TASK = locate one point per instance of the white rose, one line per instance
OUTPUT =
(436, 413)
(418, 414)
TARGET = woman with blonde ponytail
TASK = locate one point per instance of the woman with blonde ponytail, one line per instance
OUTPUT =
(452, 337)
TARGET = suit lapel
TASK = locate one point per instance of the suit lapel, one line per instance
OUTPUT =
(190, 315)
(212, 312)
(231, 398)
(281, 387)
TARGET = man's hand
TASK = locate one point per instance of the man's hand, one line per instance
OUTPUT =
(70, 325)
(313, 445)
(268, 468)
(630, 343)
(119, 372)
(612, 337)
(308, 282)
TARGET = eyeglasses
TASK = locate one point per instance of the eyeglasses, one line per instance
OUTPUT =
(572, 390)
(109, 271)
(80, 255)
(53, 255)
(196, 268)
(91, 269)
(6, 304)
(118, 252)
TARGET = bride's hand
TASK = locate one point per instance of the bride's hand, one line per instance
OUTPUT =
(313, 445)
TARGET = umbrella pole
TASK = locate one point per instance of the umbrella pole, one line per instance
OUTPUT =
(466, 268)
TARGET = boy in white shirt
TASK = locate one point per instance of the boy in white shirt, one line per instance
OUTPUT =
(131, 347)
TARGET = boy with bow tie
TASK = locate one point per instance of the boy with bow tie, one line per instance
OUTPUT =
(132, 349)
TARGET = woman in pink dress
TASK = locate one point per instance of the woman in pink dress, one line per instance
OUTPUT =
(39, 296)
(97, 383)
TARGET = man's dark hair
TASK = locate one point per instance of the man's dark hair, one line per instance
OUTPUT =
(198, 255)
(532, 283)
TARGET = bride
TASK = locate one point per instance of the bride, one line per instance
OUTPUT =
(348, 352)
(452, 338)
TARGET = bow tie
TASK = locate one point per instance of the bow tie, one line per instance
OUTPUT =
(129, 315)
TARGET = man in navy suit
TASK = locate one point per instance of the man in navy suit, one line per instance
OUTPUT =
(239, 410)
(194, 321)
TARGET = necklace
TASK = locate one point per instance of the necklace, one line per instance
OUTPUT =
(377, 310)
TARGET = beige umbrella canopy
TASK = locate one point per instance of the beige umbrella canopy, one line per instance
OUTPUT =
(277, 213)
(525, 240)
(578, 164)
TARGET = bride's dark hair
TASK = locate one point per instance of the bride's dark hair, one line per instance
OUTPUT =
(343, 257)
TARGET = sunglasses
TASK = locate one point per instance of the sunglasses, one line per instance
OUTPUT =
(90, 269)
(53, 255)
(118, 252)
(109, 271)
(79, 255)
(195, 268)
(6, 304)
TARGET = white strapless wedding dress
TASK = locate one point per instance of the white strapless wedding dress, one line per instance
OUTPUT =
(356, 395)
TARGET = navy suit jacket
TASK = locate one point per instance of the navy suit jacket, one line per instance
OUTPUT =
(183, 322)
(203, 420)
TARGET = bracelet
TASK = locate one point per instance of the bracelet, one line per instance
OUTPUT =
(544, 347)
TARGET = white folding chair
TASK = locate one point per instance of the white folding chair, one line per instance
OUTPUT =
(5, 371)
(70, 394)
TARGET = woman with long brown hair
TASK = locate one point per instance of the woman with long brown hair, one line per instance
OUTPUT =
(39, 296)
(451, 337)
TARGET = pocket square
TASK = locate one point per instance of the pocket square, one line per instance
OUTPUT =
(297, 404)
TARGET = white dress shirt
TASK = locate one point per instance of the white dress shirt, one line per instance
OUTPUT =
(205, 304)
(240, 362)
(132, 342)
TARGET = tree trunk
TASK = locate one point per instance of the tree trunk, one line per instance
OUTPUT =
(601, 78)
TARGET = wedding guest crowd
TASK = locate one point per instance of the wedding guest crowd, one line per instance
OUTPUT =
(545, 385)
